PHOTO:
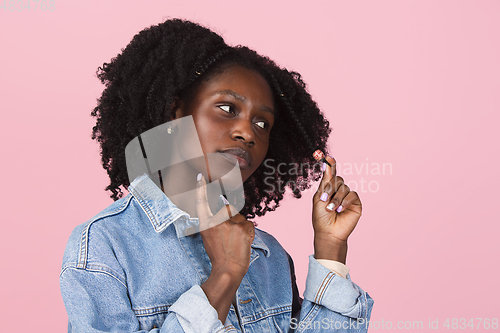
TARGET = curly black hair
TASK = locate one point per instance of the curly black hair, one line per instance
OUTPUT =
(166, 62)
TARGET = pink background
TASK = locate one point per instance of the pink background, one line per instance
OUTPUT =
(414, 84)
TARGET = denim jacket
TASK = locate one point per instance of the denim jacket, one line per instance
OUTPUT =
(128, 269)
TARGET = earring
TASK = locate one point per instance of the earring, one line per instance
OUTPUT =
(171, 129)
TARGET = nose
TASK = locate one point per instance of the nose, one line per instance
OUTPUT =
(243, 130)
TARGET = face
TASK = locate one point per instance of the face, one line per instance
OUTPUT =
(233, 113)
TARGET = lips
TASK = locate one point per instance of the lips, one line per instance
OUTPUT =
(243, 157)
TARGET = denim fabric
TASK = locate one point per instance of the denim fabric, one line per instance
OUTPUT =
(129, 270)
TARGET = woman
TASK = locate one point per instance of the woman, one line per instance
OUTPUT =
(132, 268)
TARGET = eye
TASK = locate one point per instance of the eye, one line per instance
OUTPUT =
(226, 108)
(262, 124)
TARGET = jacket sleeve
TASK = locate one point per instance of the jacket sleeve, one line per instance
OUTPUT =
(331, 303)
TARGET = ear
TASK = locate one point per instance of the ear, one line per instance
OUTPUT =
(176, 109)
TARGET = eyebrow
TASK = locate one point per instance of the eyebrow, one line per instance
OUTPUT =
(241, 99)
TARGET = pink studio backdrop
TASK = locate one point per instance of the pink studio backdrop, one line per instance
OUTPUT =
(412, 92)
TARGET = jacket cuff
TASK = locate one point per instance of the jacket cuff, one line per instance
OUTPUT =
(194, 312)
(335, 266)
(328, 289)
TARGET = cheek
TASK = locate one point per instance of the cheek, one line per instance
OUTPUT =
(208, 137)
(207, 132)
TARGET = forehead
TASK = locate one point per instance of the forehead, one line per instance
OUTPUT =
(245, 82)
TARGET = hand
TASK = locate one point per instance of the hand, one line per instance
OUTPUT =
(227, 236)
(336, 211)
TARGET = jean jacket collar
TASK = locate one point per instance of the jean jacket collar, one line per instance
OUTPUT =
(162, 212)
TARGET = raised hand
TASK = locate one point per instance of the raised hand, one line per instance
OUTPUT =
(228, 245)
(336, 211)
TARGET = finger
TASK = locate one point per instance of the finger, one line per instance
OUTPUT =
(228, 212)
(342, 191)
(329, 172)
(250, 229)
(331, 188)
(202, 208)
(332, 169)
(350, 202)
(247, 228)
(224, 204)
(337, 182)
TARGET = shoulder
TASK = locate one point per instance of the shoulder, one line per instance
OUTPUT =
(276, 251)
(268, 239)
(97, 230)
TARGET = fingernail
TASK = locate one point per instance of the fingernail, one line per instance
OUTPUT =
(220, 203)
(324, 166)
(224, 200)
(330, 206)
(339, 209)
(330, 156)
(324, 197)
(198, 178)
